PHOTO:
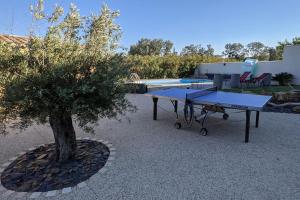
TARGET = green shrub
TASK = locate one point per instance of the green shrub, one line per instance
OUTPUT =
(170, 66)
(283, 78)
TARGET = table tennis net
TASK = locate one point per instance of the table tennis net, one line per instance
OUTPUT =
(203, 92)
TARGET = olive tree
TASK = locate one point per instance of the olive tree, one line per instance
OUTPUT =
(71, 73)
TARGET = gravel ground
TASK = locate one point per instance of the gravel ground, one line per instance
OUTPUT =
(156, 161)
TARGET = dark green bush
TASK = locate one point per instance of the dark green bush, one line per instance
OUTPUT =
(171, 66)
(283, 78)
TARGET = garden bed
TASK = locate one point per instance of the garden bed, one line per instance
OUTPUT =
(38, 171)
(282, 109)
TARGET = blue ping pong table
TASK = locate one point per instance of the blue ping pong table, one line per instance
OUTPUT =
(208, 98)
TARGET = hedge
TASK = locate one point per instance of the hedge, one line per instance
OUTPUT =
(172, 66)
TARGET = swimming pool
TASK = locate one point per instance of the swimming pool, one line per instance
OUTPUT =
(147, 85)
(172, 81)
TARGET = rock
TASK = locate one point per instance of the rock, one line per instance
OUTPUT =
(72, 170)
(48, 179)
(35, 183)
(292, 96)
(296, 109)
(24, 187)
(16, 175)
(42, 156)
(55, 170)
(41, 162)
(106, 153)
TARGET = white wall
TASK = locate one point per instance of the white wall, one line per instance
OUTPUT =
(290, 64)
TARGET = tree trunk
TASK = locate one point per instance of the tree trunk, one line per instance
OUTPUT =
(64, 135)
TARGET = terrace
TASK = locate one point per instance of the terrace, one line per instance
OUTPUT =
(154, 160)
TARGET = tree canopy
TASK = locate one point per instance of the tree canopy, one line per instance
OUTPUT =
(281, 45)
(272, 54)
(198, 50)
(257, 50)
(234, 50)
(151, 47)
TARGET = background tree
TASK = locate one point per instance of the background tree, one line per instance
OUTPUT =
(209, 51)
(192, 50)
(71, 73)
(258, 51)
(174, 52)
(197, 50)
(280, 48)
(167, 47)
(150, 47)
(272, 54)
(296, 41)
(234, 50)
(281, 45)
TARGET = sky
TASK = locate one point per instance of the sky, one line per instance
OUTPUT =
(184, 22)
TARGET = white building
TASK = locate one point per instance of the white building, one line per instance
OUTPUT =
(290, 64)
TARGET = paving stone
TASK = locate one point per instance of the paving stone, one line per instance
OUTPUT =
(8, 193)
(1, 170)
(35, 195)
(112, 149)
(86, 138)
(109, 145)
(22, 153)
(21, 195)
(103, 170)
(13, 158)
(67, 190)
(51, 193)
(100, 140)
(75, 188)
(82, 184)
(2, 189)
(111, 158)
(5, 164)
(112, 153)
(31, 149)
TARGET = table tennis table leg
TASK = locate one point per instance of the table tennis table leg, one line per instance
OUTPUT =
(248, 114)
(155, 100)
(257, 119)
(175, 106)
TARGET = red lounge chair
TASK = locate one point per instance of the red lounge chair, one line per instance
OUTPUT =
(260, 79)
(243, 78)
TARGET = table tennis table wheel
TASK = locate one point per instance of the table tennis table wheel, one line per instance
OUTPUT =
(204, 131)
(203, 112)
(225, 116)
(177, 125)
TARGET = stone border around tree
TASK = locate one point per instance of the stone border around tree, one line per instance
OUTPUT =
(9, 193)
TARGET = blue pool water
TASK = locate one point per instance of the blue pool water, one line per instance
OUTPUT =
(173, 81)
